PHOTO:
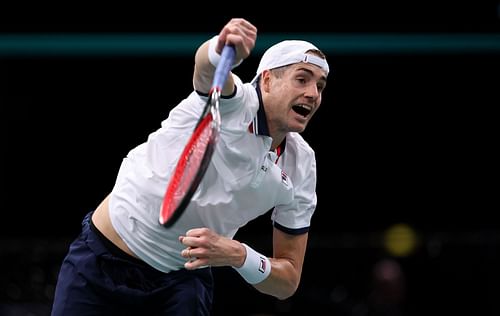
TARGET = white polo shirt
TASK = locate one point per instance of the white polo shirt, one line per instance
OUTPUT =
(244, 180)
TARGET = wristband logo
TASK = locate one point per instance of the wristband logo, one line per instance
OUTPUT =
(262, 265)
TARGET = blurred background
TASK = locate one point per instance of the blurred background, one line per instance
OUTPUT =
(405, 138)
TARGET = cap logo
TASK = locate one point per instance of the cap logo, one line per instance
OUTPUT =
(315, 60)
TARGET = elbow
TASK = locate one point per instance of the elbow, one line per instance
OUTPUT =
(286, 294)
(288, 290)
(281, 291)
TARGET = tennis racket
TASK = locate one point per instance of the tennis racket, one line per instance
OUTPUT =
(196, 156)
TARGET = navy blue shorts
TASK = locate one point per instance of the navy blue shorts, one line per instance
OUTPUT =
(97, 278)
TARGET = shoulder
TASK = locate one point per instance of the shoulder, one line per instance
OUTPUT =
(244, 96)
(297, 144)
(300, 158)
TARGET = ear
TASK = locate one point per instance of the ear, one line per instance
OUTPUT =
(265, 79)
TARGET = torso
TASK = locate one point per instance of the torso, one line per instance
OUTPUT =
(101, 220)
(242, 182)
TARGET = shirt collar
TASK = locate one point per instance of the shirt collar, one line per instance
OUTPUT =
(259, 123)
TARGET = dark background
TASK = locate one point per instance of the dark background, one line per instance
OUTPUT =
(401, 137)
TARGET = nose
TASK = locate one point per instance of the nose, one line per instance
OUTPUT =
(312, 91)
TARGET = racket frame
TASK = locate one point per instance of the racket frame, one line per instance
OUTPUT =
(210, 115)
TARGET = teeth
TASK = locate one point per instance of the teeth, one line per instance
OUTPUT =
(302, 109)
(307, 107)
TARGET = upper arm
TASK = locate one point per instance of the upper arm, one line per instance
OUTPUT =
(290, 247)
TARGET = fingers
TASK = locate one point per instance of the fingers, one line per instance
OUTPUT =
(196, 263)
(240, 33)
(192, 240)
(196, 232)
(188, 253)
(200, 244)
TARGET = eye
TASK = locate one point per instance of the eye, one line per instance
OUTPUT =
(301, 80)
(320, 87)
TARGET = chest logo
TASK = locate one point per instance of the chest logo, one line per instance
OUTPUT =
(284, 178)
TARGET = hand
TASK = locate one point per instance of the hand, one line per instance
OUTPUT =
(204, 247)
(240, 33)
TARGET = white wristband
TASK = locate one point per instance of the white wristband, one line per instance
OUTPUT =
(256, 267)
(213, 56)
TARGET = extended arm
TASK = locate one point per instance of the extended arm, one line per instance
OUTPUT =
(237, 32)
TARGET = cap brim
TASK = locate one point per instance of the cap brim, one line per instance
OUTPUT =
(255, 79)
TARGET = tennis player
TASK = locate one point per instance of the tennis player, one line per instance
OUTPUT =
(125, 263)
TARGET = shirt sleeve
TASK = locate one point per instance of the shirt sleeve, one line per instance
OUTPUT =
(238, 112)
(295, 217)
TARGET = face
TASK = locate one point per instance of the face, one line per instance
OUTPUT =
(291, 96)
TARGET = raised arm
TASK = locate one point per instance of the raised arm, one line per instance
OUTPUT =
(238, 32)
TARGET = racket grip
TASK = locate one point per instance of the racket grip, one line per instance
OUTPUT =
(224, 66)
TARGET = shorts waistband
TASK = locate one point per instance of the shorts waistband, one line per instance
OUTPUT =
(112, 248)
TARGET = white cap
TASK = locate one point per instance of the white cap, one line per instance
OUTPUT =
(289, 52)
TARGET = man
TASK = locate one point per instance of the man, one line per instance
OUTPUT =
(124, 261)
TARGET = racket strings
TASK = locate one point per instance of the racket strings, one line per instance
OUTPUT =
(193, 161)
(188, 166)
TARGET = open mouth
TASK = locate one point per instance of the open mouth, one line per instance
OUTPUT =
(302, 109)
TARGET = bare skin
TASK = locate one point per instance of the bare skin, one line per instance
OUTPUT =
(101, 220)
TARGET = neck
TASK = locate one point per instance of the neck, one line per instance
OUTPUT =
(276, 142)
(277, 135)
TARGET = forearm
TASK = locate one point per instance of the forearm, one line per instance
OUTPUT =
(204, 69)
(283, 280)
(285, 266)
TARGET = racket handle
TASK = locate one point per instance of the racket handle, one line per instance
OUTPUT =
(224, 66)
